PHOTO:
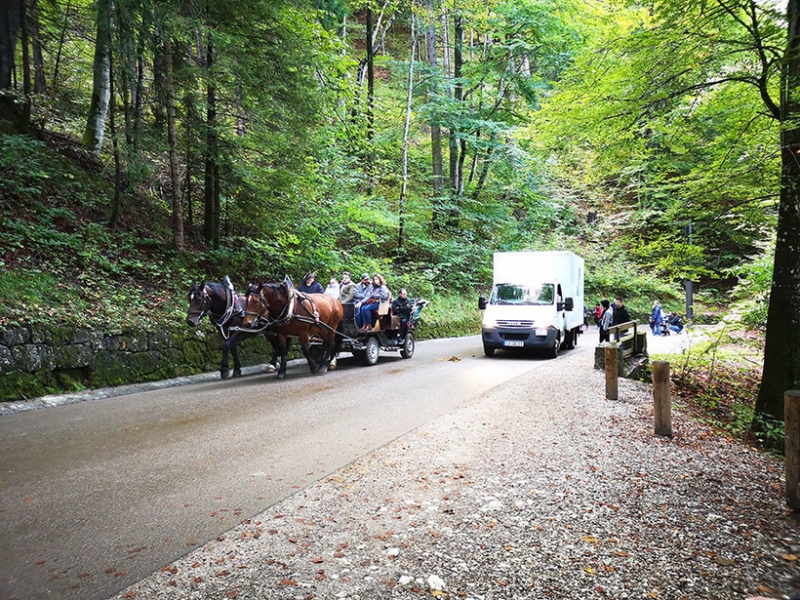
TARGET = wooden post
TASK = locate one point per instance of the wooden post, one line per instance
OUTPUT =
(791, 413)
(612, 371)
(662, 402)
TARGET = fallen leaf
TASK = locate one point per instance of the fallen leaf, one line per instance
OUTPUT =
(789, 557)
(590, 539)
(317, 560)
(725, 562)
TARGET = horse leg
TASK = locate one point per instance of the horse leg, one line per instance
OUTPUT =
(282, 351)
(312, 365)
(273, 363)
(224, 371)
(237, 366)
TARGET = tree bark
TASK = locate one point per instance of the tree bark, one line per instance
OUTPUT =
(406, 128)
(9, 30)
(782, 352)
(98, 108)
(172, 136)
(437, 163)
(26, 65)
(39, 80)
(211, 225)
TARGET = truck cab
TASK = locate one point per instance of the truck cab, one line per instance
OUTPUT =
(529, 307)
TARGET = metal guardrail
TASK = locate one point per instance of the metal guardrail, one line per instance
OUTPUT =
(625, 332)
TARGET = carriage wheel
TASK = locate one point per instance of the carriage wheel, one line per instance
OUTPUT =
(409, 345)
(371, 352)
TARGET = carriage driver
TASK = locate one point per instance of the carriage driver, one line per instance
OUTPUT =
(310, 285)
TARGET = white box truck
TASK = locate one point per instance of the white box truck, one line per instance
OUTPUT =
(536, 302)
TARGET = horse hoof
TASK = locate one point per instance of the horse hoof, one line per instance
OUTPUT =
(332, 365)
(281, 375)
(237, 373)
(322, 371)
(270, 368)
(224, 374)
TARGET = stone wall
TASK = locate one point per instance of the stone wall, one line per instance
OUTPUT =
(35, 361)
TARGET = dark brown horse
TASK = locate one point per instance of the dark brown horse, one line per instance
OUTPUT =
(278, 308)
(225, 309)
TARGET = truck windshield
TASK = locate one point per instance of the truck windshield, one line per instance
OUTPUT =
(509, 293)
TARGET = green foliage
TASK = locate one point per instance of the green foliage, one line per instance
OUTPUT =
(753, 287)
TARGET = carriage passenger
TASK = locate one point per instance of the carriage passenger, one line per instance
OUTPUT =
(361, 288)
(402, 307)
(310, 285)
(346, 289)
(333, 288)
(368, 306)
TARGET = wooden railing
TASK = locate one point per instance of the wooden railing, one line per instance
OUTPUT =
(624, 333)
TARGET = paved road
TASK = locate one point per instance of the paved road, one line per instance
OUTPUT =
(97, 495)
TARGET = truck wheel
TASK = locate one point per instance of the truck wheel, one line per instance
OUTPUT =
(371, 352)
(488, 351)
(409, 345)
(553, 352)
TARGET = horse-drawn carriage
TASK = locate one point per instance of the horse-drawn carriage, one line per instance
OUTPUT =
(321, 324)
(390, 333)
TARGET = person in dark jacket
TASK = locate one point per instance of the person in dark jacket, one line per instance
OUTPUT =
(606, 319)
(310, 285)
(401, 307)
(621, 314)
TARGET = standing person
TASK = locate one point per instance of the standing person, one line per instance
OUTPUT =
(346, 289)
(605, 321)
(310, 284)
(333, 288)
(621, 314)
(598, 314)
(375, 294)
(656, 316)
(401, 307)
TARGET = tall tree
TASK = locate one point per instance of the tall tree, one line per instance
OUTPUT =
(101, 78)
(437, 162)
(782, 352)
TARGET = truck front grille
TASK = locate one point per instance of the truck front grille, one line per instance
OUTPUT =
(516, 324)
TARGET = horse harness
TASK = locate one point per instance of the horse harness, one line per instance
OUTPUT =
(289, 312)
(220, 322)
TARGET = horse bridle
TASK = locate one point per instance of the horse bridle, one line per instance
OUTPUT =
(205, 309)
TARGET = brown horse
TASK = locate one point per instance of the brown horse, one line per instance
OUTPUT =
(280, 309)
(225, 309)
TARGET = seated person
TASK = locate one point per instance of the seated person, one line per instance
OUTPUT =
(402, 307)
(369, 304)
(310, 285)
(347, 288)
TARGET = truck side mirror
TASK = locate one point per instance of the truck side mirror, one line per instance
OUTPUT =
(569, 304)
(482, 302)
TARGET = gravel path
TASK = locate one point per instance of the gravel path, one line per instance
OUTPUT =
(539, 489)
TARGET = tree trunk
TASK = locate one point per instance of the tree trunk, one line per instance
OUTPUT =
(172, 136)
(437, 163)
(26, 66)
(39, 80)
(782, 352)
(98, 108)
(406, 127)
(61, 39)
(9, 30)
(115, 203)
(456, 160)
(211, 225)
(370, 99)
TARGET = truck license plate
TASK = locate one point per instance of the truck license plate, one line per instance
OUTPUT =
(513, 344)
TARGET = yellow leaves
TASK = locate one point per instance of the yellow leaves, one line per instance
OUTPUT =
(590, 539)
(789, 557)
(438, 594)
